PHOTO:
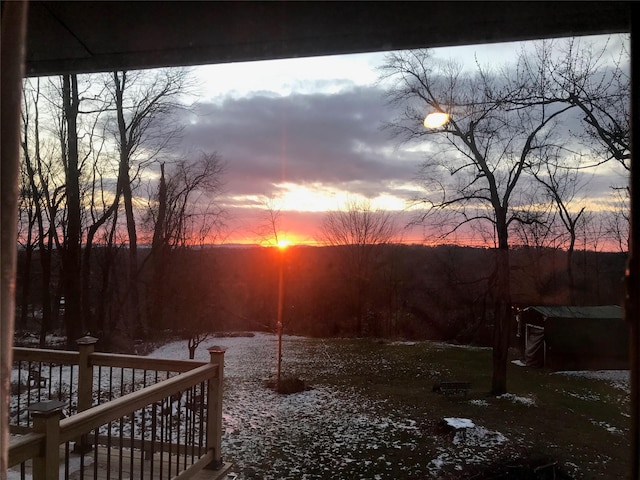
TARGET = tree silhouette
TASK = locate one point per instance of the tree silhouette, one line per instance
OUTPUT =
(476, 161)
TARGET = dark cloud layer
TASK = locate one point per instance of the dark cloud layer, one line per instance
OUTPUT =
(314, 138)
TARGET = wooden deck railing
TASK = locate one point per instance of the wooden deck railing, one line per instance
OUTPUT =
(138, 407)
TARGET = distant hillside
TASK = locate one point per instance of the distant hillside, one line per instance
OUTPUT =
(408, 291)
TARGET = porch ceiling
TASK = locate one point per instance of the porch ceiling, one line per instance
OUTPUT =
(97, 36)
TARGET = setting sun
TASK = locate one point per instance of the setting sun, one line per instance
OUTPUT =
(283, 243)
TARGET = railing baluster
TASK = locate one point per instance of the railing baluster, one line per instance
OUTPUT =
(67, 451)
(72, 409)
(61, 384)
(28, 391)
(133, 435)
(133, 426)
(37, 382)
(19, 388)
(95, 452)
(143, 450)
(154, 426)
(170, 436)
(201, 421)
(121, 438)
(142, 433)
(49, 382)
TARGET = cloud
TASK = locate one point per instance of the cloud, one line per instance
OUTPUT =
(308, 139)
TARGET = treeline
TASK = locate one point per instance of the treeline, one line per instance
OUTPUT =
(101, 175)
(415, 292)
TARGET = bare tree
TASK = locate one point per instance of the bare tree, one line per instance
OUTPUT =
(561, 185)
(75, 130)
(73, 233)
(617, 219)
(28, 215)
(85, 204)
(599, 84)
(184, 208)
(43, 174)
(473, 171)
(187, 207)
(357, 231)
(596, 80)
(270, 231)
(143, 106)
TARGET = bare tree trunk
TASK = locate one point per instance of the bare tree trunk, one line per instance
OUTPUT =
(72, 247)
(502, 314)
(572, 282)
(86, 262)
(124, 179)
(45, 264)
(106, 292)
(26, 276)
(159, 250)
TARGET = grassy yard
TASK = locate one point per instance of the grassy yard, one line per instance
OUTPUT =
(581, 422)
(372, 414)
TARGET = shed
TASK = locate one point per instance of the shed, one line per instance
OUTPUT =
(575, 338)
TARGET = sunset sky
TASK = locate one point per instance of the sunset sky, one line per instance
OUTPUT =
(306, 133)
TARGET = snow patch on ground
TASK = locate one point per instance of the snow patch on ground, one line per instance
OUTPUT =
(472, 444)
(589, 396)
(527, 401)
(479, 437)
(459, 423)
(617, 378)
(608, 428)
(403, 343)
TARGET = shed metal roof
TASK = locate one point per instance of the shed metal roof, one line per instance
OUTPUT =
(595, 312)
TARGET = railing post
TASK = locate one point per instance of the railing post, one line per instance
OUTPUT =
(214, 409)
(86, 346)
(46, 419)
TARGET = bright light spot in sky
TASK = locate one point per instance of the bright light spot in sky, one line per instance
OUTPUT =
(436, 119)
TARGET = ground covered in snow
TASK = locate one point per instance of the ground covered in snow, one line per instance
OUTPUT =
(318, 433)
(345, 432)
